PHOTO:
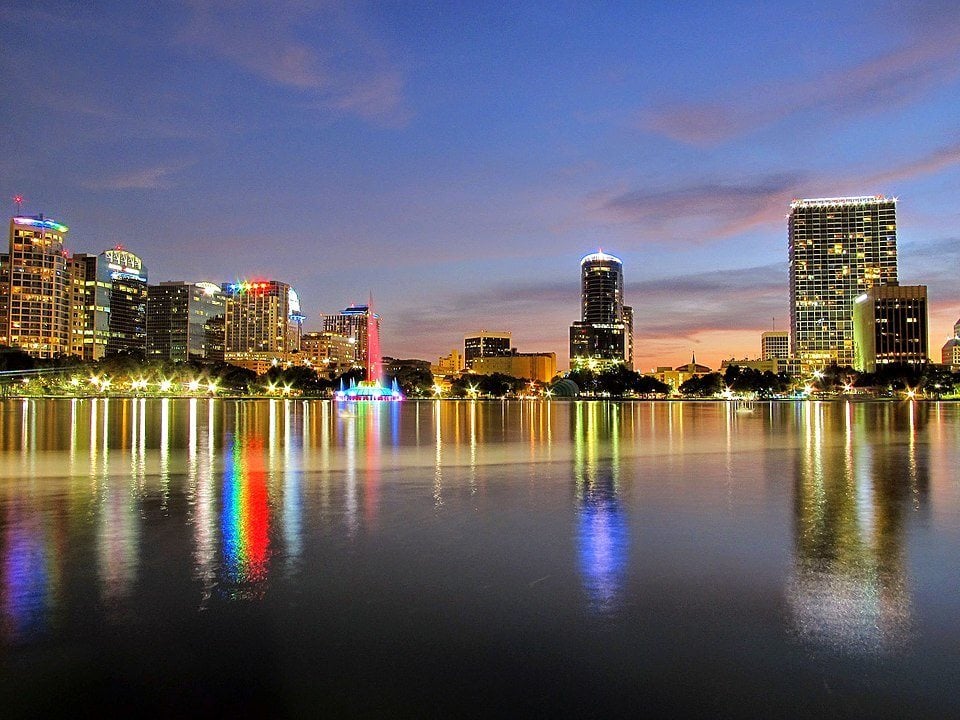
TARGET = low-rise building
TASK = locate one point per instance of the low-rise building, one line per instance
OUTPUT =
(541, 367)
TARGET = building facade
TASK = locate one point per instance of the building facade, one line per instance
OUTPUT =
(603, 337)
(950, 352)
(186, 321)
(329, 353)
(263, 321)
(128, 301)
(36, 316)
(774, 344)
(839, 248)
(448, 365)
(485, 344)
(890, 326)
(541, 367)
(354, 322)
(89, 307)
(108, 309)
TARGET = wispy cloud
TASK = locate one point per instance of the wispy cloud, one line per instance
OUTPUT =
(705, 212)
(322, 50)
(893, 79)
(155, 177)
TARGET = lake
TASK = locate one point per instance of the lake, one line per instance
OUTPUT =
(469, 558)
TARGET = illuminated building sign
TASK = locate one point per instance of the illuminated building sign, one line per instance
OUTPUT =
(209, 288)
(248, 287)
(38, 223)
(122, 262)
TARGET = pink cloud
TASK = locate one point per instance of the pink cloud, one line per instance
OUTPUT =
(710, 211)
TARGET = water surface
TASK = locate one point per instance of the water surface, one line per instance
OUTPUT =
(286, 557)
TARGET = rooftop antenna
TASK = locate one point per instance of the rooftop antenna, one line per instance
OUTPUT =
(18, 201)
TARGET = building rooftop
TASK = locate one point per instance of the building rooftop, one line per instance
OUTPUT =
(842, 201)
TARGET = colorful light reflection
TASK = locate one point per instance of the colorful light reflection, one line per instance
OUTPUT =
(245, 517)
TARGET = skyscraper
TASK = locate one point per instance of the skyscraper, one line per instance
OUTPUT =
(37, 313)
(263, 319)
(839, 249)
(108, 304)
(355, 322)
(185, 321)
(604, 335)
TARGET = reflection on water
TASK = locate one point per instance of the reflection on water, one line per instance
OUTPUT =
(849, 590)
(602, 532)
(241, 492)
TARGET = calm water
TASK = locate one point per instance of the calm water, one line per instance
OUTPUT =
(434, 559)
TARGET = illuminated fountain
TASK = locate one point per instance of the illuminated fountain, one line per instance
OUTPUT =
(371, 389)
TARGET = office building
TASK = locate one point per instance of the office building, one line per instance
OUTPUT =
(839, 248)
(355, 322)
(37, 313)
(890, 326)
(89, 306)
(774, 344)
(603, 337)
(329, 353)
(485, 344)
(263, 323)
(950, 352)
(108, 304)
(186, 321)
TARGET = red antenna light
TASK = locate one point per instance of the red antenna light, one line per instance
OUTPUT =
(18, 200)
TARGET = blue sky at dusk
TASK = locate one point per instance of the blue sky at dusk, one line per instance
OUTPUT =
(457, 159)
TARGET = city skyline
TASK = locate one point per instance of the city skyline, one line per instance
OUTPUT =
(488, 150)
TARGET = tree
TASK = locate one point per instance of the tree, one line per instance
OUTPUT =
(703, 385)
(414, 380)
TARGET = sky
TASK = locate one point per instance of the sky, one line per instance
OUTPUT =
(457, 159)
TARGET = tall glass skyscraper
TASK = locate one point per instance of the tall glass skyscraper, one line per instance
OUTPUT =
(839, 249)
(604, 335)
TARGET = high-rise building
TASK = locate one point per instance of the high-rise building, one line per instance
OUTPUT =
(108, 304)
(4, 298)
(38, 306)
(774, 345)
(262, 319)
(485, 344)
(128, 301)
(354, 322)
(604, 335)
(890, 326)
(89, 306)
(185, 321)
(839, 249)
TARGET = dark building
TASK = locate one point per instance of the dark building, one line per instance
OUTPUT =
(604, 335)
(185, 321)
(890, 326)
(108, 304)
(128, 301)
(485, 344)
